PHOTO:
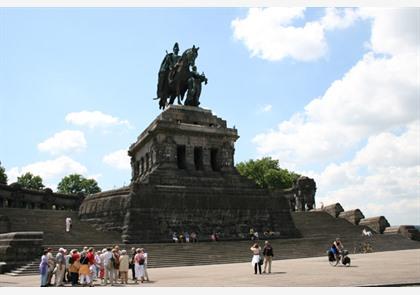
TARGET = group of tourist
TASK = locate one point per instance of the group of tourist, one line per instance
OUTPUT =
(82, 268)
(259, 258)
(184, 237)
(255, 236)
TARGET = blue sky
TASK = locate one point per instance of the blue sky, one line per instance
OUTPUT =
(331, 93)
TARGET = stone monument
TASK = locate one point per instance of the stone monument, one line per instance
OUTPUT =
(183, 174)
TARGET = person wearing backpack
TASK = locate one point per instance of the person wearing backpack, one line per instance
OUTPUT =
(74, 265)
(109, 267)
(84, 271)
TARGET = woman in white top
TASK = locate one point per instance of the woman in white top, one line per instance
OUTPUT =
(256, 249)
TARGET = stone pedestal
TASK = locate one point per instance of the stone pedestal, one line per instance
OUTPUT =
(184, 179)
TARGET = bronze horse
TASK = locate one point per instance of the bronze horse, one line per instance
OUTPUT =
(176, 84)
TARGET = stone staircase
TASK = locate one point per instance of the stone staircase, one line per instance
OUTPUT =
(52, 223)
(319, 229)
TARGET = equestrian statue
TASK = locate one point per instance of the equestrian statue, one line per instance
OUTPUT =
(178, 75)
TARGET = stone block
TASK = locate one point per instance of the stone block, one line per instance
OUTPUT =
(352, 216)
(378, 223)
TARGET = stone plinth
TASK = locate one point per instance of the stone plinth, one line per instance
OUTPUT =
(378, 223)
(184, 179)
(334, 209)
(352, 216)
(409, 231)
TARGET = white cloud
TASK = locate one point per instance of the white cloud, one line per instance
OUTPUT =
(269, 34)
(381, 179)
(51, 171)
(95, 119)
(266, 108)
(335, 18)
(394, 31)
(63, 142)
(369, 116)
(378, 94)
(118, 159)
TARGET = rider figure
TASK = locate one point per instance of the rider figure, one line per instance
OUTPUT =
(168, 65)
(337, 247)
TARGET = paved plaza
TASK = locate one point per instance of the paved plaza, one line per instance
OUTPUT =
(392, 268)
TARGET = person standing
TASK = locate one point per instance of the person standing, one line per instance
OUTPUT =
(74, 265)
(102, 267)
(124, 266)
(92, 268)
(109, 267)
(68, 224)
(84, 271)
(139, 265)
(60, 261)
(133, 271)
(268, 256)
(145, 255)
(256, 258)
(51, 266)
(43, 268)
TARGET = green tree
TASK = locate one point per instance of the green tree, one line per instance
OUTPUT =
(76, 183)
(3, 176)
(30, 181)
(267, 174)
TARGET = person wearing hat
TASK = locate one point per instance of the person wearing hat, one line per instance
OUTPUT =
(60, 267)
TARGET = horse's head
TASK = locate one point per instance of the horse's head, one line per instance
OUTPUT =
(190, 55)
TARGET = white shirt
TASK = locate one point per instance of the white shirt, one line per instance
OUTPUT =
(107, 257)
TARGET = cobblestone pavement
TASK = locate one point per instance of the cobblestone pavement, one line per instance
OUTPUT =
(392, 268)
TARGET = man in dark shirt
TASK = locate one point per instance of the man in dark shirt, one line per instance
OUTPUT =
(268, 256)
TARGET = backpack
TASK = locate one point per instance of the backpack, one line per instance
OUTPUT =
(261, 262)
(71, 260)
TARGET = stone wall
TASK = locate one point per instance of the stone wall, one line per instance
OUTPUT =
(106, 210)
(19, 248)
(378, 223)
(352, 216)
(14, 196)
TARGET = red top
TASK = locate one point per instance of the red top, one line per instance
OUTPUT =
(91, 257)
(75, 256)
